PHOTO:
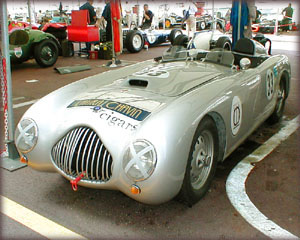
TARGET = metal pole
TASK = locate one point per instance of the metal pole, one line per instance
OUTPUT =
(12, 152)
(276, 23)
(213, 19)
(239, 20)
(29, 13)
(164, 18)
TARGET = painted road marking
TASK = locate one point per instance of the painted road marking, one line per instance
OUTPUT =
(32, 81)
(36, 222)
(236, 190)
(23, 104)
(18, 98)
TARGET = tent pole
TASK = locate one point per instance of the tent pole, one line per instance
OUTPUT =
(239, 20)
(10, 163)
(29, 13)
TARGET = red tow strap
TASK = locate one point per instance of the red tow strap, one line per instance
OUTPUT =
(76, 180)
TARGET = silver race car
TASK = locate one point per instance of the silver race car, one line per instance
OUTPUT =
(156, 130)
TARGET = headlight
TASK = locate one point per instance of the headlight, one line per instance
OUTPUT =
(139, 160)
(26, 135)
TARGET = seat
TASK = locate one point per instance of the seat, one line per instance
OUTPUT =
(245, 45)
(79, 31)
(245, 48)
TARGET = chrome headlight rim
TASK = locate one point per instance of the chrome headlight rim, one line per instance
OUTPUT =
(152, 149)
(36, 135)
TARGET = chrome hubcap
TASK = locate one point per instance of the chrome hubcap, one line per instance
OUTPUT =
(177, 34)
(137, 41)
(202, 160)
(47, 53)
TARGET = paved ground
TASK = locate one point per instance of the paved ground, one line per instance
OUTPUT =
(273, 186)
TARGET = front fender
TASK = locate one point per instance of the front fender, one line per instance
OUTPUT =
(40, 37)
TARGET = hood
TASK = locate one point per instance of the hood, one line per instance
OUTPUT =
(170, 79)
(140, 94)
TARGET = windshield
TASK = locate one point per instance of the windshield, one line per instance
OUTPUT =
(175, 53)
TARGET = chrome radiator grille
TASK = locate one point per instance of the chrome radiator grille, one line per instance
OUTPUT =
(81, 150)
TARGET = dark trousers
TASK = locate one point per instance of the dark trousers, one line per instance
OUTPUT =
(108, 32)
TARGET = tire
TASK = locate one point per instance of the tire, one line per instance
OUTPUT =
(173, 34)
(220, 27)
(202, 25)
(46, 53)
(181, 40)
(280, 103)
(134, 41)
(224, 43)
(201, 163)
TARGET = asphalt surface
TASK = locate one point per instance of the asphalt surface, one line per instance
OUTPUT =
(273, 186)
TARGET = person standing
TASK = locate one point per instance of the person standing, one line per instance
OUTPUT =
(107, 16)
(191, 19)
(92, 13)
(258, 15)
(39, 17)
(147, 18)
(251, 18)
(288, 17)
(128, 14)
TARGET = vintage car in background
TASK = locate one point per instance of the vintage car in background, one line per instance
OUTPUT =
(205, 40)
(156, 129)
(18, 25)
(134, 40)
(267, 22)
(27, 44)
(205, 22)
(173, 20)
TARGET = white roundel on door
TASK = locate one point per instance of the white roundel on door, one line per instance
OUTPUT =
(236, 115)
(269, 84)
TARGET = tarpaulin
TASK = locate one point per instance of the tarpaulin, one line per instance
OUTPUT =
(116, 25)
(234, 19)
(72, 69)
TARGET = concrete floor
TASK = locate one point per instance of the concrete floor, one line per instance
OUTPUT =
(102, 214)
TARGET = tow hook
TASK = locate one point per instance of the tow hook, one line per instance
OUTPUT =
(76, 180)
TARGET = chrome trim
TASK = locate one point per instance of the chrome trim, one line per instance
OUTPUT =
(80, 150)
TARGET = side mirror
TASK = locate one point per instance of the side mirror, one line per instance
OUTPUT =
(245, 63)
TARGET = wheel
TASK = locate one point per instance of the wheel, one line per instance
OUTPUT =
(220, 27)
(202, 162)
(134, 41)
(46, 53)
(224, 43)
(280, 103)
(173, 34)
(202, 25)
(167, 23)
(181, 40)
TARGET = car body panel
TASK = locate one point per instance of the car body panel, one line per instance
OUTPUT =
(237, 97)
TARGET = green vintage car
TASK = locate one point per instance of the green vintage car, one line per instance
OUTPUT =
(26, 44)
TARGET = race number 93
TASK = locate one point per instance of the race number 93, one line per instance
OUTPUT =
(269, 84)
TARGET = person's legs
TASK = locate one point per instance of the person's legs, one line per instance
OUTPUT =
(108, 32)
(193, 25)
(188, 26)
